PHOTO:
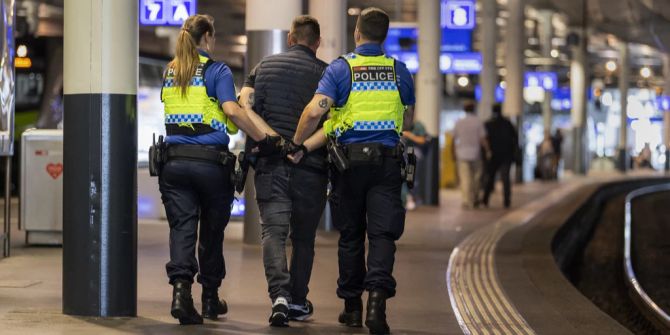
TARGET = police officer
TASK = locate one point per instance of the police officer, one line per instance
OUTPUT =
(195, 182)
(291, 198)
(369, 92)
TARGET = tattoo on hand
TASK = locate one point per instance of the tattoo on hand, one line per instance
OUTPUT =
(323, 103)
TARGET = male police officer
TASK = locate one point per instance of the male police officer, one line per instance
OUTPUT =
(290, 197)
(369, 92)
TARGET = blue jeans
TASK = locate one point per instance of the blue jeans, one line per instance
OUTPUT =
(291, 201)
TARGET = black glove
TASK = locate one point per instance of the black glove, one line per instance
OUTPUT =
(271, 145)
(293, 148)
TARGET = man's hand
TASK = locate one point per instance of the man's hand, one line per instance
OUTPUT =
(296, 152)
(271, 144)
(295, 158)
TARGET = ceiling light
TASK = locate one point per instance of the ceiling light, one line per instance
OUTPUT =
(22, 50)
(463, 81)
(645, 72)
(610, 66)
(354, 11)
(554, 53)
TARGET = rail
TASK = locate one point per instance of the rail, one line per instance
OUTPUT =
(660, 315)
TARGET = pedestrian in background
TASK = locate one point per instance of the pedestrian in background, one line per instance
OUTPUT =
(469, 139)
(557, 144)
(503, 139)
(416, 137)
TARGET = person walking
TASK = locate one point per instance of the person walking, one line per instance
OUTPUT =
(416, 137)
(469, 139)
(503, 140)
(369, 92)
(291, 198)
(201, 109)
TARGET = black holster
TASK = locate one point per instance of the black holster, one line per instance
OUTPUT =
(156, 156)
(240, 174)
(409, 167)
(336, 155)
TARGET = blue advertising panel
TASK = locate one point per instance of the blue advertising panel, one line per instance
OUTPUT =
(401, 39)
(405, 38)
(464, 62)
(663, 103)
(545, 80)
(454, 40)
(166, 12)
(499, 94)
(458, 14)
(561, 99)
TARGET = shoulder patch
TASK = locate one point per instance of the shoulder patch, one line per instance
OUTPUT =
(350, 55)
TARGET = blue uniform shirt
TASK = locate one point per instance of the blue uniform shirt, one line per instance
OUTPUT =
(336, 84)
(219, 85)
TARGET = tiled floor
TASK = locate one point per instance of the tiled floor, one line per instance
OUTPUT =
(30, 281)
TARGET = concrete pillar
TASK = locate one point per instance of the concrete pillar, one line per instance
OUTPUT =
(666, 113)
(100, 158)
(514, 63)
(332, 16)
(488, 79)
(578, 87)
(267, 26)
(428, 97)
(624, 81)
(546, 33)
(7, 81)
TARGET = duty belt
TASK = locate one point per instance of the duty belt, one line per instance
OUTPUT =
(213, 154)
(386, 151)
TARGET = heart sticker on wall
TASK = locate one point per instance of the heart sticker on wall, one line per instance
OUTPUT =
(55, 170)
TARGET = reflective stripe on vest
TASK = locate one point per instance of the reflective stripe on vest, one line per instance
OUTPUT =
(196, 107)
(374, 99)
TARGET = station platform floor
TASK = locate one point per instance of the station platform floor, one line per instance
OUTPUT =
(30, 280)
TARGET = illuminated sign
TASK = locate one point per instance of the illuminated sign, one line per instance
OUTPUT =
(401, 44)
(545, 80)
(499, 94)
(22, 62)
(166, 12)
(238, 207)
(458, 14)
(663, 103)
(464, 62)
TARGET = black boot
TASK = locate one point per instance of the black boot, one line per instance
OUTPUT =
(375, 319)
(182, 304)
(212, 306)
(352, 315)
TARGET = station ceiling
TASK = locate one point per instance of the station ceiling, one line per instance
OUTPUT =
(639, 21)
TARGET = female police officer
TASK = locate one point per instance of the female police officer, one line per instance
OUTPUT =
(195, 183)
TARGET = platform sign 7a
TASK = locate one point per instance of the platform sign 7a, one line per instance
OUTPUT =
(166, 12)
(458, 14)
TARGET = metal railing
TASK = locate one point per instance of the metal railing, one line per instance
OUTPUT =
(652, 308)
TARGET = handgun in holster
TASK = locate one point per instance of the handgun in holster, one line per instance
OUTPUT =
(410, 167)
(240, 172)
(337, 156)
(156, 156)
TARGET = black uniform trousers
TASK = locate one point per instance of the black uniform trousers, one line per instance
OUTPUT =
(367, 199)
(195, 191)
(291, 200)
(494, 166)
